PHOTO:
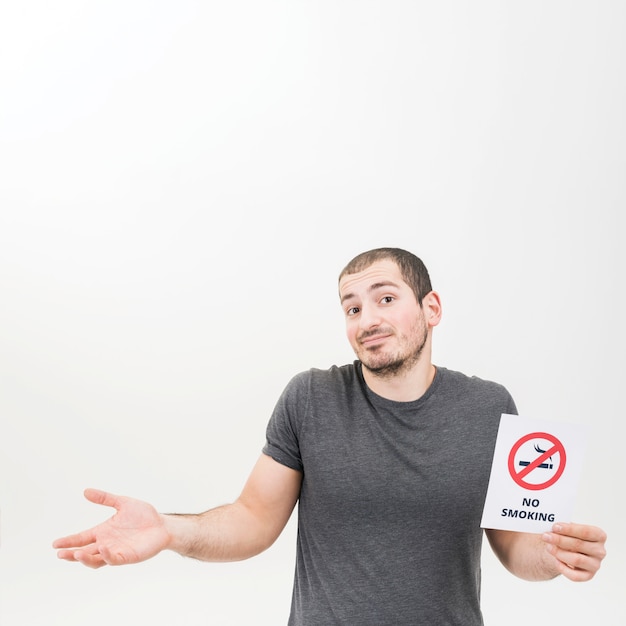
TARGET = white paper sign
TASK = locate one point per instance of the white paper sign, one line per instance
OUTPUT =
(534, 474)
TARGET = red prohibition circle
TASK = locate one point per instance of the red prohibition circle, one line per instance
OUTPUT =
(518, 477)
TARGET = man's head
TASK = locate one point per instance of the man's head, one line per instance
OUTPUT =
(412, 269)
(390, 310)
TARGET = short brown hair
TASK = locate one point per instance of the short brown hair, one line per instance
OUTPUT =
(412, 269)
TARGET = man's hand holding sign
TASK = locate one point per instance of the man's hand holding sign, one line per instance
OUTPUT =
(532, 488)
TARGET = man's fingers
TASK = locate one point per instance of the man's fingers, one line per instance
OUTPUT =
(578, 548)
(575, 575)
(573, 559)
(66, 555)
(580, 531)
(578, 538)
(86, 537)
(103, 497)
(75, 541)
(89, 558)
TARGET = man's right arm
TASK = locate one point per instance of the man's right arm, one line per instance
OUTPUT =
(232, 532)
(244, 528)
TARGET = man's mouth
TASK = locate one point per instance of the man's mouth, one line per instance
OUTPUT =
(372, 340)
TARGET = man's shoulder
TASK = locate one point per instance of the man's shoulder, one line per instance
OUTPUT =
(335, 375)
(319, 387)
(453, 379)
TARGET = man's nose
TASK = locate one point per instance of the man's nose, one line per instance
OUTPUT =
(369, 318)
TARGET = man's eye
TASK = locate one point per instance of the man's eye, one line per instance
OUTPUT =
(353, 310)
(387, 299)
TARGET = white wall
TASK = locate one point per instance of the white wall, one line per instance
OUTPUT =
(180, 185)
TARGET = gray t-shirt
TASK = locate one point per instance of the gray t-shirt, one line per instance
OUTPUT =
(392, 495)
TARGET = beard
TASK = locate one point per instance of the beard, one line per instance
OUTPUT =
(385, 364)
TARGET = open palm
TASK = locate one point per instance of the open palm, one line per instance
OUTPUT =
(135, 533)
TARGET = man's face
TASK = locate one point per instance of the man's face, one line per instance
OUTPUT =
(386, 327)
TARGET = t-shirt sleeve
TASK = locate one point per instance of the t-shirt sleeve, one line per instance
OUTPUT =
(511, 408)
(282, 433)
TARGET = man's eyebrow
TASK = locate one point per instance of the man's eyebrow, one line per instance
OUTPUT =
(372, 287)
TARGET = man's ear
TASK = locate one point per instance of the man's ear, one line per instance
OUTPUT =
(431, 305)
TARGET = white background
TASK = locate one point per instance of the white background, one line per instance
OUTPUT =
(180, 184)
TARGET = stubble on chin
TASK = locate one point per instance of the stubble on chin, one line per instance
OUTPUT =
(385, 366)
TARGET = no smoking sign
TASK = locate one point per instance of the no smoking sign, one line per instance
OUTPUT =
(537, 461)
(533, 479)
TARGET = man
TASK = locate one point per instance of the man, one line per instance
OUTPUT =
(376, 455)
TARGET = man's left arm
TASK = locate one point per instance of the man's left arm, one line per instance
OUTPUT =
(574, 550)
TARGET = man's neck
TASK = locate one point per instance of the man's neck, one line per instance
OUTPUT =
(403, 386)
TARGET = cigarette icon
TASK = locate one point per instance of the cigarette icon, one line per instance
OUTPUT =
(542, 465)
